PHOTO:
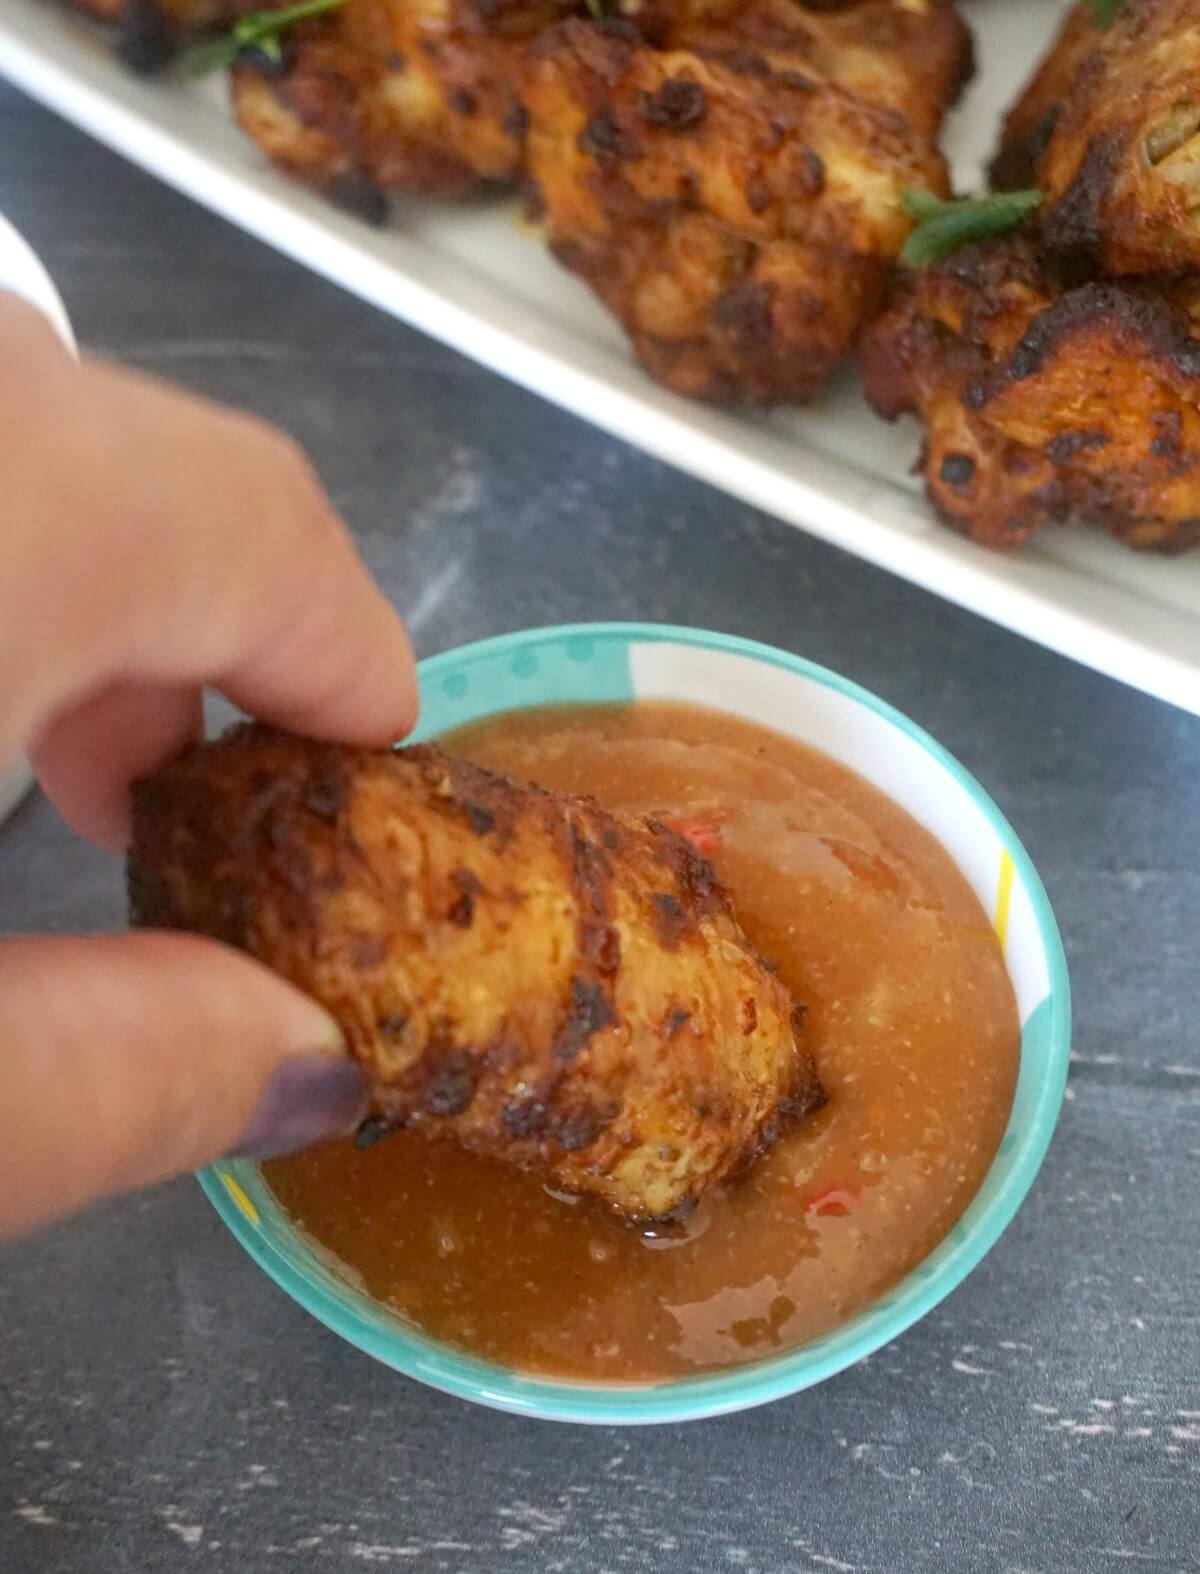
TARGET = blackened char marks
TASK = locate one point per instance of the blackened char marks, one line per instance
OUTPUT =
(1167, 442)
(491, 802)
(533, 1120)
(324, 793)
(1015, 166)
(372, 1130)
(678, 105)
(1150, 326)
(481, 819)
(744, 313)
(462, 909)
(958, 470)
(1074, 226)
(589, 1012)
(582, 1126)
(671, 923)
(603, 139)
(701, 893)
(516, 121)
(591, 874)
(1066, 445)
(526, 1118)
(449, 1084)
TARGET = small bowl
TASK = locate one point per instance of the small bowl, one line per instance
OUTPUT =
(23, 274)
(615, 662)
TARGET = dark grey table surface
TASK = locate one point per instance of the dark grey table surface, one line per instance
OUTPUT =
(162, 1406)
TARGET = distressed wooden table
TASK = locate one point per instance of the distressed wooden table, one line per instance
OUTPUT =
(162, 1406)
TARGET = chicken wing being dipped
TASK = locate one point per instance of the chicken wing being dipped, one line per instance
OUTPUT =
(396, 95)
(1041, 401)
(1116, 145)
(516, 970)
(739, 220)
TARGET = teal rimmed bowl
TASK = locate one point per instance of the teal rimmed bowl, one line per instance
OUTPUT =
(624, 661)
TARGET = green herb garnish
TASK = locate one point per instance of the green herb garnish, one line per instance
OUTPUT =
(942, 227)
(1103, 11)
(257, 30)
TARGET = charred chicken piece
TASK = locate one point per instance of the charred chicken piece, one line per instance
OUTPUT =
(396, 95)
(1041, 401)
(516, 970)
(1116, 149)
(738, 220)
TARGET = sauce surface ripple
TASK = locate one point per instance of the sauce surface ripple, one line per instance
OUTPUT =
(915, 1031)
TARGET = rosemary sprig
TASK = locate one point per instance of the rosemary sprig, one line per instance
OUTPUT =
(259, 30)
(942, 227)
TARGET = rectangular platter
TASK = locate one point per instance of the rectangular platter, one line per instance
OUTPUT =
(479, 280)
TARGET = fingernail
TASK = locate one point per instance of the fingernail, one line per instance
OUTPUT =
(309, 1099)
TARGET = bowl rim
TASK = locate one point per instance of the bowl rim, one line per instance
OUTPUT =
(440, 1366)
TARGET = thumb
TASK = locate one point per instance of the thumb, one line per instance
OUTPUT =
(124, 1059)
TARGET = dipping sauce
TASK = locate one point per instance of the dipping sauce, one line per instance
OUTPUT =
(913, 1023)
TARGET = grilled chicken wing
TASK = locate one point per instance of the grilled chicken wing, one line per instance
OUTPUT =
(1041, 401)
(739, 220)
(396, 95)
(1109, 129)
(517, 970)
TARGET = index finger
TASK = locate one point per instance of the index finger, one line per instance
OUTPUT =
(154, 540)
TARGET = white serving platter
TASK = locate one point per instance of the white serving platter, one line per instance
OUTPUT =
(477, 279)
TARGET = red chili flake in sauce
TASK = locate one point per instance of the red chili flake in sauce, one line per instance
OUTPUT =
(702, 830)
(832, 1203)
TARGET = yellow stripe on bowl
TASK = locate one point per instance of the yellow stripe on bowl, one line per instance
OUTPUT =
(238, 1193)
(1003, 897)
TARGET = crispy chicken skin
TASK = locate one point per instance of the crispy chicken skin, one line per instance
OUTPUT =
(739, 221)
(517, 970)
(1041, 401)
(1120, 165)
(396, 95)
(912, 58)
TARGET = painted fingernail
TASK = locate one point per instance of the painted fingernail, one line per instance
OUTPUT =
(309, 1099)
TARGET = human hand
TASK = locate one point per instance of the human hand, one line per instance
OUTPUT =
(154, 544)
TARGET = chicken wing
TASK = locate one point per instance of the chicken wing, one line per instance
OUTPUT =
(1120, 128)
(396, 95)
(517, 970)
(1041, 401)
(737, 219)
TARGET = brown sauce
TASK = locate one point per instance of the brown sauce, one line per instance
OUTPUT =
(916, 1036)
